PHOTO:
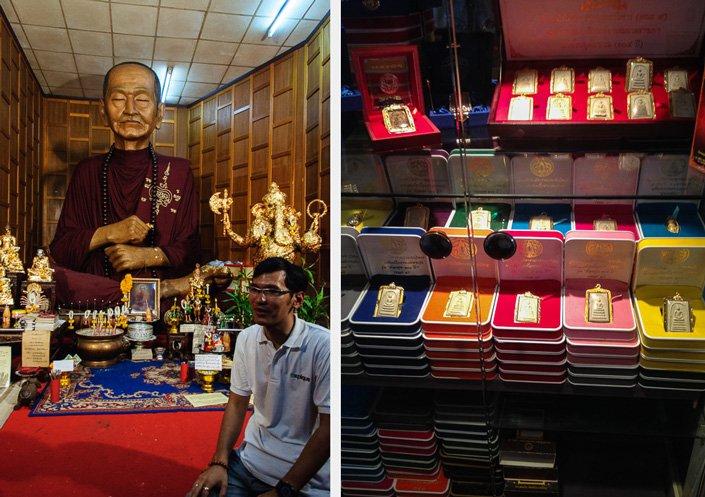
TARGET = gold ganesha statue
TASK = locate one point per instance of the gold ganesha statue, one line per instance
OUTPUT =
(274, 231)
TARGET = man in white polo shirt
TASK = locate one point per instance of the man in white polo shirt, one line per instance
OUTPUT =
(283, 362)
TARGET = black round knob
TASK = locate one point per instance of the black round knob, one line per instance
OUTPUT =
(500, 245)
(436, 245)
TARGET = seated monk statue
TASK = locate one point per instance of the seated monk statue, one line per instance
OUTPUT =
(130, 210)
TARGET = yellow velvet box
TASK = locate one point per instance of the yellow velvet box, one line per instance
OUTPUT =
(362, 213)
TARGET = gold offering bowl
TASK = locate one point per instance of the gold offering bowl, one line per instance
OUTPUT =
(206, 378)
(99, 350)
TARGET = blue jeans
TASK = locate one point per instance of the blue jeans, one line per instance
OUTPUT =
(241, 483)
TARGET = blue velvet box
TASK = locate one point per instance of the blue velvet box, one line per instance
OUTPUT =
(560, 213)
(651, 219)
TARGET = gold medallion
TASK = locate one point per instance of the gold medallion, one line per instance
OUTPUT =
(542, 222)
(481, 219)
(559, 108)
(639, 74)
(600, 107)
(527, 308)
(598, 305)
(676, 79)
(605, 223)
(677, 314)
(398, 119)
(389, 301)
(521, 108)
(526, 82)
(640, 105)
(459, 304)
(672, 225)
(681, 103)
(599, 80)
(356, 219)
(562, 80)
(417, 216)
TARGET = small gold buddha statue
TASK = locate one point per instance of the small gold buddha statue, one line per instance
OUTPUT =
(5, 289)
(40, 270)
(9, 253)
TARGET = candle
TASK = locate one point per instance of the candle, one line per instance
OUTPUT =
(54, 385)
(184, 372)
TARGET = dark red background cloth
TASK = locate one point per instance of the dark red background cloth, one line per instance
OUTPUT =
(79, 272)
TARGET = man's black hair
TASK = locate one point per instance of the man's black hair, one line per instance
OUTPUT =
(157, 84)
(295, 277)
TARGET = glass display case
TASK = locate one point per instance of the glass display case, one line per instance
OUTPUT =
(522, 299)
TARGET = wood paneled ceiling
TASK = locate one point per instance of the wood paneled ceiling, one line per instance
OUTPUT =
(70, 44)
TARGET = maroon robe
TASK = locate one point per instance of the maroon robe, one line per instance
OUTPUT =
(79, 272)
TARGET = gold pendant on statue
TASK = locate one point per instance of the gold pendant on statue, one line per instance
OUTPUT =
(521, 109)
(639, 74)
(677, 315)
(640, 105)
(599, 80)
(676, 79)
(562, 80)
(598, 305)
(559, 108)
(527, 308)
(672, 225)
(459, 304)
(600, 107)
(398, 119)
(605, 223)
(389, 301)
(542, 222)
(526, 82)
(481, 219)
(417, 216)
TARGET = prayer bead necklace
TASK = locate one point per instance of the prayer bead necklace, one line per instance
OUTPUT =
(152, 235)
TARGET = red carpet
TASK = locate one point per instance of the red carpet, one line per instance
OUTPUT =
(128, 455)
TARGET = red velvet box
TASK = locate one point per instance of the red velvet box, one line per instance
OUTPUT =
(584, 35)
(387, 72)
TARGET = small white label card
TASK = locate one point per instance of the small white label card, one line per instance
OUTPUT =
(209, 362)
(5, 363)
(63, 365)
(35, 349)
(186, 328)
(142, 355)
(206, 399)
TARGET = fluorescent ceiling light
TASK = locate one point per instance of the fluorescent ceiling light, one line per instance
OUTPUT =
(279, 17)
(167, 82)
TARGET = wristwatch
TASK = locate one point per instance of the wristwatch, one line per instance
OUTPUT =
(285, 490)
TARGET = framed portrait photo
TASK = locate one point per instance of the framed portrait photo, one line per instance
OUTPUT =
(145, 294)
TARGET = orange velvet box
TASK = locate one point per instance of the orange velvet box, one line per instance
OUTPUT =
(388, 75)
(583, 36)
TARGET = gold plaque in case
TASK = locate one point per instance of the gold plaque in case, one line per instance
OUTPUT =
(481, 219)
(672, 225)
(542, 222)
(398, 119)
(677, 315)
(640, 72)
(563, 80)
(526, 82)
(640, 105)
(521, 108)
(559, 108)
(681, 103)
(389, 301)
(605, 223)
(676, 79)
(459, 304)
(527, 308)
(600, 107)
(600, 80)
(417, 216)
(598, 305)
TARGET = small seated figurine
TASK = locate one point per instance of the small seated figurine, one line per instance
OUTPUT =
(9, 253)
(5, 289)
(40, 270)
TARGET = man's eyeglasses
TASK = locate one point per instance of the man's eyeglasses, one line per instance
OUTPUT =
(267, 292)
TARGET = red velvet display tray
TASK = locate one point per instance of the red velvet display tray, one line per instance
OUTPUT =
(459, 375)
(393, 71)
(513, 346)
(532, 378)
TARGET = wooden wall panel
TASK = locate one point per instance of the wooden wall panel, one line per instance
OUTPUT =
(269, 126)
(74, 130)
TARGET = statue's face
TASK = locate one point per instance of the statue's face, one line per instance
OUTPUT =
(131, 108)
